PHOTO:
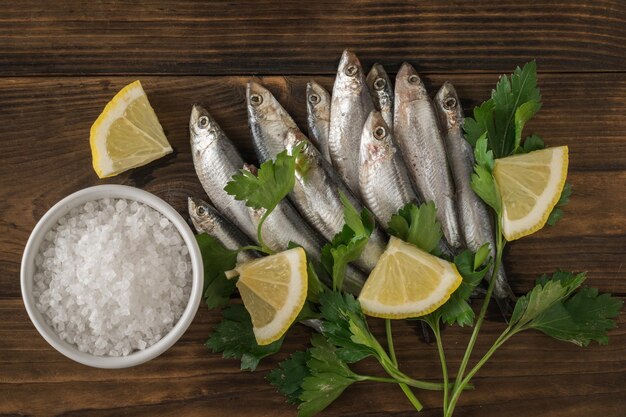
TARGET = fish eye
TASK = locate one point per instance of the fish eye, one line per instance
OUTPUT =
(380, 133)
(449, 103)
(201, 211)
(314, 99)
(380, 83)
(351, 70)
(256, 100)
(203, 122)
(413, 79)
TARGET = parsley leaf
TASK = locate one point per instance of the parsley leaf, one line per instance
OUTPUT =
(274, 180)
(345, 326)
(348, 244)
(513, 102)
(547, 292)
(216, 259)
(554, 308)
(234, 338)
(329, 377)
(584, 317)
(483, 182)
(557, 212)
(289, 375)
(473, 268)
(532, 143)
(417, 225)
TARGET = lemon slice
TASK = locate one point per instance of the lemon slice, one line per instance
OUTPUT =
(274, 290)
(530, 185)
(127, 134)
(408, 282)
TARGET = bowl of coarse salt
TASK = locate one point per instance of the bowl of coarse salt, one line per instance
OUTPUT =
(112, 276)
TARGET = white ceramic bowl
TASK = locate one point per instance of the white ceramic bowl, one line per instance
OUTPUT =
(28, 270)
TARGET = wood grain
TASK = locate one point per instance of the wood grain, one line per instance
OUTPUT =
(531, 375)
(60, 63)
(45, 148)
(296, 37)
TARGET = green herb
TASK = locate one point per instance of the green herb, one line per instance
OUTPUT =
(234, 338)
(557, 212)
(513, 102)
(328, 377)
(347, 245)
(216, 259)
(483, 183)
(417, 225)
(274, 180)
(288, 377)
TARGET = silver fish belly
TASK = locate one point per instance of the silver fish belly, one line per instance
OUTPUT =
(417, 133)
(216, 160)
(318, 117)
(474, 217)
(351, 104)
(382, 93)
(384, 181)
(206, 219)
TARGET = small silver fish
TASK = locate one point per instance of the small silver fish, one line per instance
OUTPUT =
(417, 133)
(350, 105)
(318, 116)
(382, 93)
(384, 181)
(284, 225)
(317, 188)
(267, 120)
(474, 216)
(206, 219)
(216, 160)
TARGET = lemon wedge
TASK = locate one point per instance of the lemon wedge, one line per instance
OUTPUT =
(408, 282)
(127, 134)
(530, 185)
(273, 290)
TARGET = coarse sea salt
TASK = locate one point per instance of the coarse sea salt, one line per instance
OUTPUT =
(112, 276)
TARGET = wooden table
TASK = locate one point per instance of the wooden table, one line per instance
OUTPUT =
(61, 62)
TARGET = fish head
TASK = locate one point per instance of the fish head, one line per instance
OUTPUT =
(376, 140)
(261, 103)
(378, 80)
(203, 129)
(317, 98)
(201, 214)
(350, 76)
(448, 106)
(409, 85)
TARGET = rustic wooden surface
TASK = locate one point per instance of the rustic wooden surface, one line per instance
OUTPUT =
(59, 66)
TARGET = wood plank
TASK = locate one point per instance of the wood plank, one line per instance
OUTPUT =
(525, 377)
(289, 37)
(46, 156)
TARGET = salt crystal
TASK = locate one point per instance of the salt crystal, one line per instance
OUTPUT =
(112, 276)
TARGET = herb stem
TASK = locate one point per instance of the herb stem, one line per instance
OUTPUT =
(458, 385)
(264, 247)
(392, 352)
(506, 335)
(444, 367)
